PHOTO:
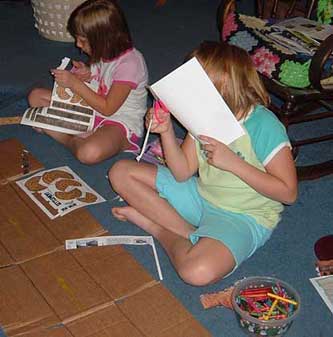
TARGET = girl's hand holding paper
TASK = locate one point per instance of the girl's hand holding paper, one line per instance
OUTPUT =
(81, 71)
(64, 78)
(219, 154)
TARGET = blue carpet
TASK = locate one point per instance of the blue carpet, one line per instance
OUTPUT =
(165, 35)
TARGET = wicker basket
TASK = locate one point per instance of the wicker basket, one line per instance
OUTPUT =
(51, 18)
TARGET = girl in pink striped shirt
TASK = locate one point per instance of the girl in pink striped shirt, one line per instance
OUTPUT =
(119, 72)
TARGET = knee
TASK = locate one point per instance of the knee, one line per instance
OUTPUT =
(198, 274)
(35, 97)
(88, 154)
(32, 96)
(119, 173)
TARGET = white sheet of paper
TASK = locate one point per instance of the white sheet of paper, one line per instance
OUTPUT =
(193, 100)
(324, 286)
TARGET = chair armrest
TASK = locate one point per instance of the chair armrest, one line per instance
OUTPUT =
(318, 61)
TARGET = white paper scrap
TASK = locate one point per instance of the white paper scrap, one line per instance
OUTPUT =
(193, 100)
(64, 63)
(324, 286)
(116, 240)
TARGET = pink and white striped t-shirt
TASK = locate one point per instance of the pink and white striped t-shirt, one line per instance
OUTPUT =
(129, 68)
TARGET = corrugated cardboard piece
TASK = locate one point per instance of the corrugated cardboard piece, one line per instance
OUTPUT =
(47, 291)
(17, 161)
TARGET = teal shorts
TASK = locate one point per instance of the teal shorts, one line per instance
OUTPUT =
(239, 232)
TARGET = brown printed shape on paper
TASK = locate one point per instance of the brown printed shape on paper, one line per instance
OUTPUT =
(75, 99)
(88, 198)
(33, 184)
(84, 103)
(63, 184)
(73, 194)
(50, 176)
(61, 92)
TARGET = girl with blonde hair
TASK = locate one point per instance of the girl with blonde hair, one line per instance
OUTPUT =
(213, 205)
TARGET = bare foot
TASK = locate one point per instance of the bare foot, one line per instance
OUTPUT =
(128, 213)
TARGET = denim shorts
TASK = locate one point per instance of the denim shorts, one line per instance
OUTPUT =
(240, 233)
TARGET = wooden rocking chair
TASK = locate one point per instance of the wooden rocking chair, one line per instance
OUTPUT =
(299, 105)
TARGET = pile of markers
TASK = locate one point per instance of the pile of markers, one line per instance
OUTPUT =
(266, 303)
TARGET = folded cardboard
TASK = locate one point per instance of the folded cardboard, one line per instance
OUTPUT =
(47, 291)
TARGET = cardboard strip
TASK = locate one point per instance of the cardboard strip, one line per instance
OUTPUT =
(11, 153)
(10, 120)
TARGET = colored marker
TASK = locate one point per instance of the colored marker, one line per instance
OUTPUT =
(276, 297)
(266, 317)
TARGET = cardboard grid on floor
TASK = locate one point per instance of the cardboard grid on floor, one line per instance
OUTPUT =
(48, 291)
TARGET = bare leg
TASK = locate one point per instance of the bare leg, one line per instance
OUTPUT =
(135, 183)
(203, 263)
(39, 97)
(104, 143)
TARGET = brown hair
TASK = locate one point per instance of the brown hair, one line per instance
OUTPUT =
(231, 70)
(103, 24)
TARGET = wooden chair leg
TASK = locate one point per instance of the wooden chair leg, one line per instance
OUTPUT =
(316, 171)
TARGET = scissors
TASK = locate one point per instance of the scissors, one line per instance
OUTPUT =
(158, 104)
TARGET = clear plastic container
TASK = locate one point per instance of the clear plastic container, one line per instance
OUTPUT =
(253, 326)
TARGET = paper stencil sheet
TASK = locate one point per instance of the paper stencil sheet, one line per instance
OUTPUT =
(67, 113)
(59, 191)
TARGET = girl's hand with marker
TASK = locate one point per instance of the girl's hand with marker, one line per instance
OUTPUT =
(65, 78)
(219, 154)
(161, 120)
(81, 71)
